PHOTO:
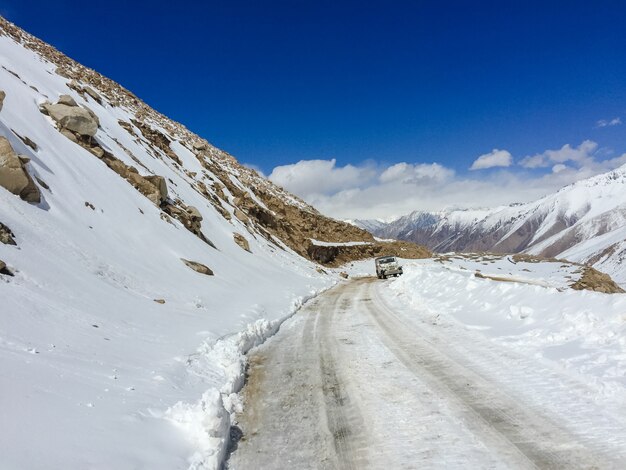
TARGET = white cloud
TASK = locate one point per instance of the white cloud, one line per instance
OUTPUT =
(421, 173)
(567, 153)
(609, 122)
(377, 191)
(495, 158)
(317, 177)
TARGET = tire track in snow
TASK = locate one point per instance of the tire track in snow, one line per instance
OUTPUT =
(298, 412)
(350, 383)
(500, 420)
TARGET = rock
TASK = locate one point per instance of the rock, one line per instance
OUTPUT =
(241, 241)
(344, 274)
(83, 121)
(27, 141)
(160, 301)
(13, 174)
(241, 216)
(320, 270)
(91, 92)
(199, 145)
(198, 267)
(142, 185)
(194, 213)
(4, 270)
(2, 96)
(70, 135)
(97, 151)
(323, 254)
(31, 192)
(161, 185)
(6, 235)
(67, 100)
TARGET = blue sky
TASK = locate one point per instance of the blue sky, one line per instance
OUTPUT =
(371, 86)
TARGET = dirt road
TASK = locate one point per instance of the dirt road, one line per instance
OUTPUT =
(349, 383)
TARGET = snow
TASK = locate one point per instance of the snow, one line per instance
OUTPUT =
(583, 332)
(96, 374)
(382, 374)
(320, 243)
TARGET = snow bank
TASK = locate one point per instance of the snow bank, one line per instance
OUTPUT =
(320, 243)
(584, 332)
(207, 422)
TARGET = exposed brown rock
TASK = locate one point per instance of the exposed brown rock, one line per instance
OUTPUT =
(344, 274)
(26, 141)
(13, 174)
(158, 139)
(337, 255)
(67, 100)
(4, 270)
(241, 241)
(6, 235)
(199, 145)
(198, 267)
(91, 92)
(241, 216)
(160, 301)
(194, 213)
(596, 281)
(160, 184)
(2, 97)
(80, 120)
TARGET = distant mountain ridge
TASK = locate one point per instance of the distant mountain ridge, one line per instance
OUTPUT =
(583, 222)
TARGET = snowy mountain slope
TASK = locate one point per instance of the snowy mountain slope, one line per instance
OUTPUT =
(152, 262)
(584, 222)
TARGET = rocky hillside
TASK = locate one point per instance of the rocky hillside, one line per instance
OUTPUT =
(583, 222)
(117, 128)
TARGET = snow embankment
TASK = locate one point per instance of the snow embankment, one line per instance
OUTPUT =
(583, 332)
(207, 421)
(321, 243)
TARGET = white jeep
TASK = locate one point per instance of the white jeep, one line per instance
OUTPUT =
(387, 266)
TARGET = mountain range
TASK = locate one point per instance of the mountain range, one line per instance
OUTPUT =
(583, 222)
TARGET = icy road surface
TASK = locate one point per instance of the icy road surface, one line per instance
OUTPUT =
(351, 383)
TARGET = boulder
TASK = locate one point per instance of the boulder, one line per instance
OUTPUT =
(91, 92)
(4, 270)
(83, 121)
(241, 241)
(13, 174)
(141, 184)
(241, 216)
(97, 151)
(6, 235)
(161, 185)
(70, 135)
(194, 213)
(2, 96)
(67, 100)
(198, 267)
(199, 145)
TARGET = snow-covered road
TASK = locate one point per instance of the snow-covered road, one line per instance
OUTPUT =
(356, 381)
